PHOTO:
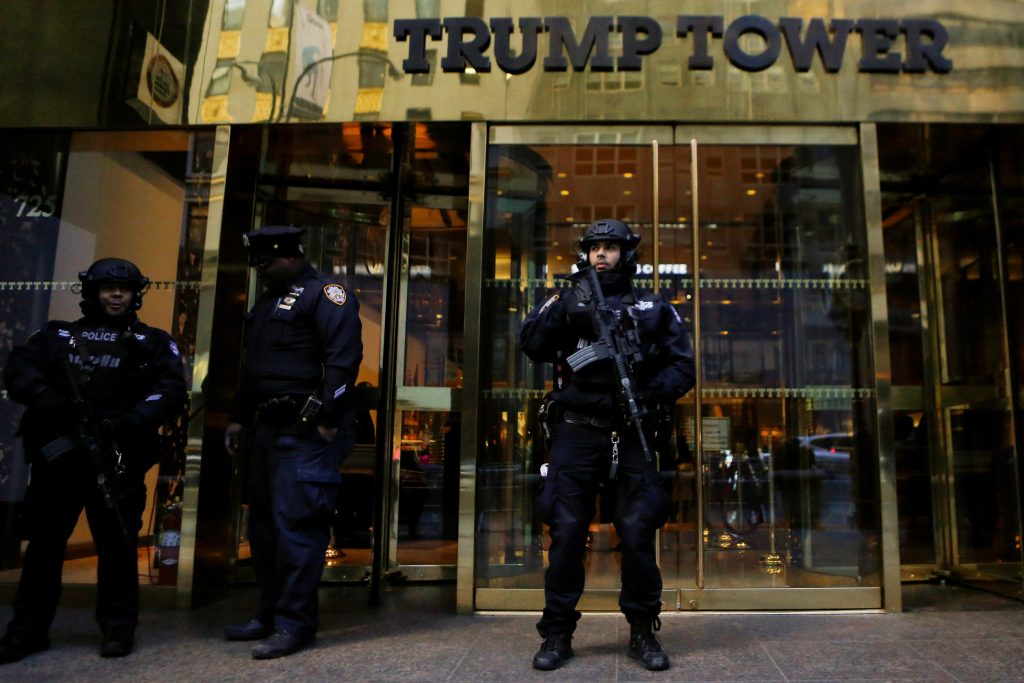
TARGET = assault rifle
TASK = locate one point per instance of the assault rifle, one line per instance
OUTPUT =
(91, 438)
(623, 348)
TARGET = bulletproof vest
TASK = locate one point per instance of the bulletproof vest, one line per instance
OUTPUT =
(104, 364)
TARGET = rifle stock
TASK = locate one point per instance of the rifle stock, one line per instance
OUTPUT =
(616, 341)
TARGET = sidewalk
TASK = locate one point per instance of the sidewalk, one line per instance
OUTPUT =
(948, 633)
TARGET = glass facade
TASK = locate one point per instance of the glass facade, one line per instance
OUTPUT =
(774, 285)
(788, 474)
(846, 247)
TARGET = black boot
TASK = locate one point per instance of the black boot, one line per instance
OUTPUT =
(118, 641)
(555, 651)
(644, 645)
(15, 647)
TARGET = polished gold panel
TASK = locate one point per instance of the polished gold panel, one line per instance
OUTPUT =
(984, 47)
(201, 365)
(464, 587)
(883, 374)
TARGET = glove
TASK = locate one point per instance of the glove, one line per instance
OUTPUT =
(126, 427)
(583, 321)
(50, 407)
(48, 398)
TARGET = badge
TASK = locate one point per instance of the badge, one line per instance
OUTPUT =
(174, 349)
(336, 293)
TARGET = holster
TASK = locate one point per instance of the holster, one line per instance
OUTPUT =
(296, 415)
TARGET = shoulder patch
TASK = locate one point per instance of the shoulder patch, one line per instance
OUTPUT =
(336, 293)
(549, 303)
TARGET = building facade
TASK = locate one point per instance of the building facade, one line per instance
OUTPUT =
(832, 195)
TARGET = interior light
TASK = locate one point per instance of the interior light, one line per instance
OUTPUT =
(751, 192)
(627, 193)
(564, 193)
(627, 174)
(561, 174)
(759, 175)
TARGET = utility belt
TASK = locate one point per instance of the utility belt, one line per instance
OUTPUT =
(575, 418)
(552, 413)
(290, 411)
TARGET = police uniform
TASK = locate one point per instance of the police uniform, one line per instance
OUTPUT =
(130, 378)
(584, 417)
(302, 340)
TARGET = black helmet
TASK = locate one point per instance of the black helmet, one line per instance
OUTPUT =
(113, 270)
(610, 230)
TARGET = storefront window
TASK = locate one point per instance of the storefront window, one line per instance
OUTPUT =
(139, 196)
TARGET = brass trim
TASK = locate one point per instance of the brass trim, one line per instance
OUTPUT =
(655, 221)
(884, 434)
(708, 599)
(466, 571)
(204, 340)
(698, 387)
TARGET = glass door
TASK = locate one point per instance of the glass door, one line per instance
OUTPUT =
(777, 488)
(956, 457)
(385, 211)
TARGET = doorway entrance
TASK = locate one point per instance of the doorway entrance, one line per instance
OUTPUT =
(776, 490)
(384, 206)
(949, 288)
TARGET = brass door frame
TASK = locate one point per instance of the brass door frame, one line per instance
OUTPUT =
(392, 396)
(939, 400)
(867, 598)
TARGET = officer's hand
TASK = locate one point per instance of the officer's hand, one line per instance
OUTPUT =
(126, 427)
(583, 321)
(327, 433)
(232, 436)
(49, 405)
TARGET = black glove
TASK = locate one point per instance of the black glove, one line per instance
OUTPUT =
(48, 398)
(50, 407)
(125, 428)
(583, 321)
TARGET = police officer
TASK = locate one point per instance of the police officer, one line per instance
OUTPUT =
(592, 441)
(111, 381)
(303, 347)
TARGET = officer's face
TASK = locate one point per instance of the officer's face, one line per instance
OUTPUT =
(604, 255)
(279, 270)
(115, 298)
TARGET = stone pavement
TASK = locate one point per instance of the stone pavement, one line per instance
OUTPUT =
(947, 633)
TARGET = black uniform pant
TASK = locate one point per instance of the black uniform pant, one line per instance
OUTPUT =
(293, 490)
(579, 462)
(58, 492)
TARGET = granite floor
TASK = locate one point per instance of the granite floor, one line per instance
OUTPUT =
(947, 633)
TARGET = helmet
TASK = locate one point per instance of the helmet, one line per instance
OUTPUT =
(113, 270)
(609, 230)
